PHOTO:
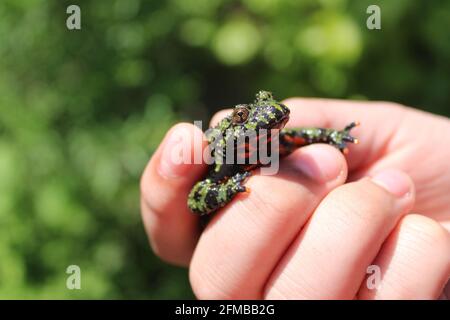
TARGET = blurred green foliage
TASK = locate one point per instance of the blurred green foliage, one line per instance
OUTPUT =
(82, 111)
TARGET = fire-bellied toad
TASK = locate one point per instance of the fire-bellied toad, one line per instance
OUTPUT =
(224, 180)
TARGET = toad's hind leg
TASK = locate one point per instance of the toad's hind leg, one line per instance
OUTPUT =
(208, 196)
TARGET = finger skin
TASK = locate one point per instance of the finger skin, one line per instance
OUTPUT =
(414, 261)
(329, 258)
(172, 229)
(243, 243)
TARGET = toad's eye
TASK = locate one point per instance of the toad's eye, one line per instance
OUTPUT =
(240, 114)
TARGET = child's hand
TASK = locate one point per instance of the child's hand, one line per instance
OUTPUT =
(304, 233)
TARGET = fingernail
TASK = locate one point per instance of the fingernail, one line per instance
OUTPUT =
(394, 181)
(320, 163)
(173, 157)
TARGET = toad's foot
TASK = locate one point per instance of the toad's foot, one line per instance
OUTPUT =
(207, 196)
(339, 139)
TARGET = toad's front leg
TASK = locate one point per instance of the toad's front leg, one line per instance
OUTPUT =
(291, 139)
(208, 196)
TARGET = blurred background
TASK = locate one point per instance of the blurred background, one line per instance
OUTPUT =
(82, 111)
